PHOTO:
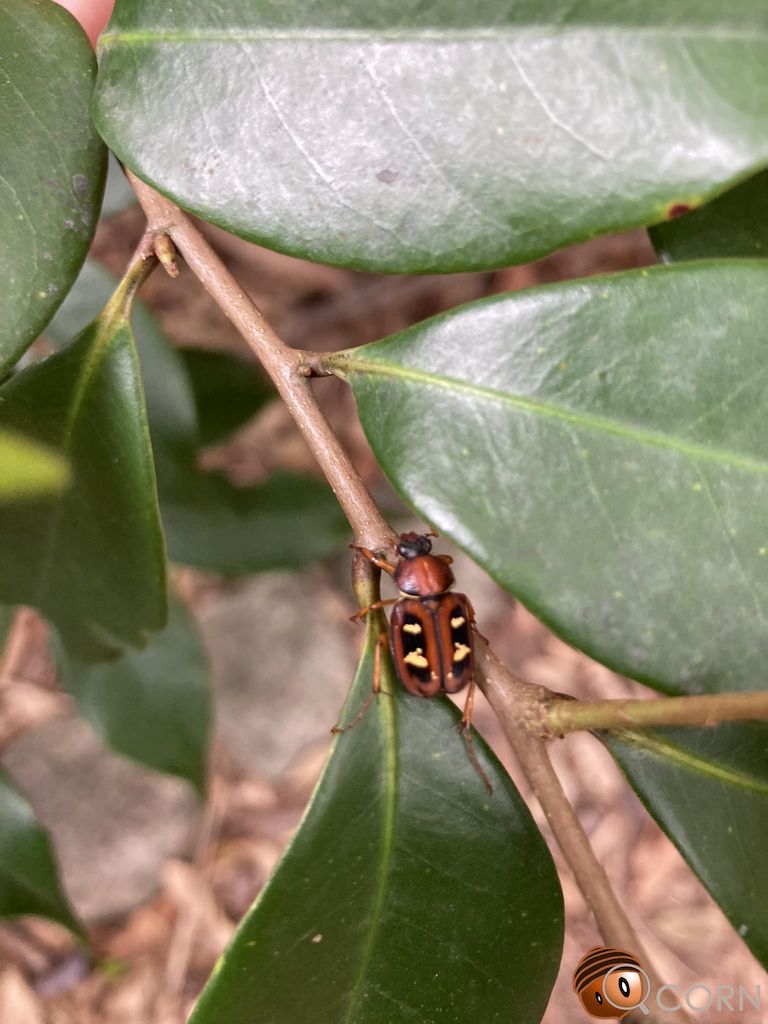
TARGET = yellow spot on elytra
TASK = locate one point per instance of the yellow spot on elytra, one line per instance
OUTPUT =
(416, 658)
(458, 621)
(461, 652)
(412, 627)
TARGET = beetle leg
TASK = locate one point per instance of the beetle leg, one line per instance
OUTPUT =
(380, 563)
(375, 689)
(465, 728)
(362, 612)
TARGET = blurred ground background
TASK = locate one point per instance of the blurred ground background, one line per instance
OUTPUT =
(162, 881)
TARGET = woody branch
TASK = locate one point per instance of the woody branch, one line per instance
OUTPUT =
(528, 713)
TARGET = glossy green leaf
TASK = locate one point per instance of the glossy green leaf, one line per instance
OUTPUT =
(92, 558)
(27, 469)
(29, 882)
(284, 522)
(733, 224)
(170, 403)
(408, 893)
(708, 790)
(228, 391)
(437, 136)
(52, 165)
(151, 705)
(599, 447)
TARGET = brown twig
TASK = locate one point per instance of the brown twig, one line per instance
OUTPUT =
(514, 702)
(503, 692)
(526, 712)
(563, 716)
(289, 368)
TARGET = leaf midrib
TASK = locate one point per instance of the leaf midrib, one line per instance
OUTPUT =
(549, 410)
(476, 34)
(386, 709)
(685, 759)
(106, 330)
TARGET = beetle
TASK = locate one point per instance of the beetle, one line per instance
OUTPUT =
(431, 630)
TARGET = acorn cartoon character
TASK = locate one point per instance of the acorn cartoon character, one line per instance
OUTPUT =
(610, 982)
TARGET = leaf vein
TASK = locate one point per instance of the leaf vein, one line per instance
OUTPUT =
(547, 410)
(686, 759)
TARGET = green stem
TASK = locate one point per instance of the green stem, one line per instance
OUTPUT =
(564, 716)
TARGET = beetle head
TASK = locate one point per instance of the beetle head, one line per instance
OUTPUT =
(411, 545)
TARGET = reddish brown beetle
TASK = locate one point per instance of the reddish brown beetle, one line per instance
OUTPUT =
(430, 629)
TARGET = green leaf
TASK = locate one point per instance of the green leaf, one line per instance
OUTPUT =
(407, 893)
(169, 399)
(733, 224)
(598, 447)
(151, 705)
(284, 522)
(708, 790)
(6, 618)
(29, 882)
(28, 469)
(91, 559)
(52, 166)
(228, 391)
(435, 136)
